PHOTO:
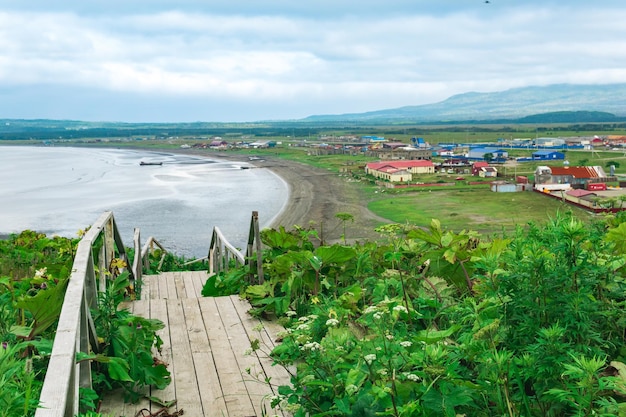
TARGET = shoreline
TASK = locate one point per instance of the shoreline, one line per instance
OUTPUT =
(315, 196)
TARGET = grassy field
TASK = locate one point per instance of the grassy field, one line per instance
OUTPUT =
(471, 209)
(464, 207)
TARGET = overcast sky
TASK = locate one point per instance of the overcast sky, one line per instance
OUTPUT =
(249, 60)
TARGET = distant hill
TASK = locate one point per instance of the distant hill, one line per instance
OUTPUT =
(562, 103)
(509, 105)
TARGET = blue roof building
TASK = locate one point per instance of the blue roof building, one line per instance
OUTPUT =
(547, 155)
(479, 153)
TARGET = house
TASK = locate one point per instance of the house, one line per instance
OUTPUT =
(479, 153)
(503, 187)
(399, 170)
(373, 139)
(262, 144)
(419, 142)
(392, 174)
(476, 166)
(394, 145)
(488, 172)
(575, 176)
(597, 141)
(550, 143)
(582, 194)
(218, 144)
(547, 155)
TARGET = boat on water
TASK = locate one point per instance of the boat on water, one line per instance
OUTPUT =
(150, 163)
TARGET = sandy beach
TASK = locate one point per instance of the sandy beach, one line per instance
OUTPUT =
(315, 197)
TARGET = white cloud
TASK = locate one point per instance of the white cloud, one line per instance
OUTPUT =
(358, 59)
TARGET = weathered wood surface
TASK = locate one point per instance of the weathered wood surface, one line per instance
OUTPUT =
(205, 343)
(75, 330)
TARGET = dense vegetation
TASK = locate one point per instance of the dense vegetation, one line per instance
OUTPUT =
(428, 322)
(34, 271)
(32, 131)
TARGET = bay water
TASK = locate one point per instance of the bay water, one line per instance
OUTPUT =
(60, 190)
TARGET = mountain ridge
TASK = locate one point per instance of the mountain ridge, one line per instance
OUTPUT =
(514, 103)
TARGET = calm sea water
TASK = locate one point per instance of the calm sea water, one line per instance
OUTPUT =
(58, 191)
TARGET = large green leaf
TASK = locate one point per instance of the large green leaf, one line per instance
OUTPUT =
(433, 336)
(617, 236)
(279, 239)
(335, 254)
(45, 307)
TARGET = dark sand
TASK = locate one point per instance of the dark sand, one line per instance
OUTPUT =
(315, 197)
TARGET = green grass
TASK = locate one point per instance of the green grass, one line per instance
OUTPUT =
(480, 210)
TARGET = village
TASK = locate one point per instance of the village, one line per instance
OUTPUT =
(588, 187)
(420, 164)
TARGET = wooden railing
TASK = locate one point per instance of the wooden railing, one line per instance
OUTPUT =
(142, 258)
(222, 252)
(99, 247)
(76, 332)
(223, 255)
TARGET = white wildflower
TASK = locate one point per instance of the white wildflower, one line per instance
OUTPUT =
(406, 343)
(413, 377)
(312, 346)
(400, 308)
(303, 326)
(378, 316)
(284, 333)
(370, 309)
(382, 372)
(41, 272)
(389, 337)
(369, 358)
(351, 389)
(290, 313)
(332, 322)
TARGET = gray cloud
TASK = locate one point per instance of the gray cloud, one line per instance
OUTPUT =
(236, 61)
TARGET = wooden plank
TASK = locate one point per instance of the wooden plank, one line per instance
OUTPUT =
(256, 329)
(190, 290)
(212, 397)
(172, 293)
(187, 393)
(230, 377)
(163, 289)
(251, 368)
(154, 286)
(268, 338)
(113, 404)
(179, 282)
(145, 288)
(200, 278)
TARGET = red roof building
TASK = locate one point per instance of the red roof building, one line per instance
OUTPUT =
(387, 168)
(476, 167)
(575, 172)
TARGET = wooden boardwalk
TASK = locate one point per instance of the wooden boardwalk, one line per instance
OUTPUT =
(204, 343)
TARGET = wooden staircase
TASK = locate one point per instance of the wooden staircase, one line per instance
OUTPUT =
(205, 342)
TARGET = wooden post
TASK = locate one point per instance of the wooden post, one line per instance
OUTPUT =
(254, 245)
(137, 263)
(259, 253)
